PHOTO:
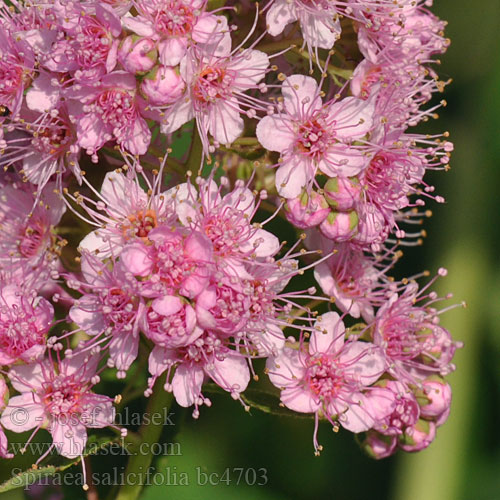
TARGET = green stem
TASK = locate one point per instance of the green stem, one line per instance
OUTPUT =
(280, 45)
(149, 434)
(195, 158)
(247, 141)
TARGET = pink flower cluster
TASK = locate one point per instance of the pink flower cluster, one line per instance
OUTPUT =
(189, 272)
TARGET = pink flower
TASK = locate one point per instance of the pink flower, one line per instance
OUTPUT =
(27, 222)
(378, 445)
(311, 135)
(438, 394)
(319, 20)
(170, 322)
(342, 193)
(207, 356)
(16, 70)
(174, 261)
(25, 320)
(175, 24)
(340, 226)
(214, 94)
(330, 377)
(419, 436)
(125, 212)
(411, 337)
(110, 306)
(226, 220)
(58, 397)
(46, 142)
(89, 48)
(109, 112)
(403, 413)
(350, 277)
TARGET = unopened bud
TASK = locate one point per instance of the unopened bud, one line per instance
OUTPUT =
(137, 54)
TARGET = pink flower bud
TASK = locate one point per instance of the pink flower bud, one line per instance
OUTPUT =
(438, 396)
(342, 193)
(419, 436)
(137, 55)
(379, 446)
(340, 226)
(307, 210)
(162, 86)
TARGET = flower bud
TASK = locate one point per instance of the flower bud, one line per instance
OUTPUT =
(162, 86)
(379, 446)
(342, 192)
(137, 54)
(438, 395)
(340, 226)
(418, 436)
(307, 210)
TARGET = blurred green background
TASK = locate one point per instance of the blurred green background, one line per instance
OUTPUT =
(463, 235)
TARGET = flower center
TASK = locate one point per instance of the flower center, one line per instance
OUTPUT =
(119, 309)
(140, 224)
(313, 138)
(324, 377)
(174, 19)
(116, 108)
(62, 398)
(212, 83)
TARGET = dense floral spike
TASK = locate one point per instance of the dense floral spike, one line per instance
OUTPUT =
(182, 261)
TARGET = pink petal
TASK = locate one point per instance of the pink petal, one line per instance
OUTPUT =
(42, 96)
(99, 413)
(331, 337)
(136, 259)
(167, 305)
(23, 413)
(320, 29)
(224, 121)
(280, 14)
(363, 359)
(353, 117)
(179, 114)
(262, 243)
(286, 369)
(123, 349)
(232, 373)
(138, 25)
(70, 440)
(301, 95)
(250, 67)
(298, 399)
(172, 50)
(292, 176)
(186, 384)
(86, 313)
(275, 133)
(356, 418)
(92, 132)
